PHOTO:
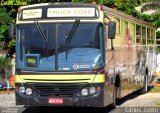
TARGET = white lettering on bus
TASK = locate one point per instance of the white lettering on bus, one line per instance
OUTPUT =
(32, 13)
(82, 12)
(60, 12)
(71, 12)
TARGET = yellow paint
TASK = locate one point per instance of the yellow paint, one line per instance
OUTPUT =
(60, 78)
(101, 18)
(157, 74)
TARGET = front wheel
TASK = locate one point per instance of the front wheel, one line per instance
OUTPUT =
(114, 97)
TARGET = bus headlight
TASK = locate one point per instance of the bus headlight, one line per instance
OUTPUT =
(92, 90)
(84, 92)
(28, 91)
(22, 89)
(89, 91)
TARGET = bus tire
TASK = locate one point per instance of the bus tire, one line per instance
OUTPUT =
(145, 89)
(115, 91)
(43, 109)
(146, 77)
(114, 97)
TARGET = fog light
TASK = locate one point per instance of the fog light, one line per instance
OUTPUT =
(28, 91)
(84, 92)
(92, 90)
(22, 89)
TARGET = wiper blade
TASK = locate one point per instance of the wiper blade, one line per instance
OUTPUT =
(70, 35)
(72, 31)
(41, 31)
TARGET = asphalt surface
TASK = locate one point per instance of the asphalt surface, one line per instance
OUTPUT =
(133, 103)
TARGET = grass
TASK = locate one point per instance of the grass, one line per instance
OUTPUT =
(158, 104)
(155, 89)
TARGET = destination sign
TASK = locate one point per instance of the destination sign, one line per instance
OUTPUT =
(71, 12)
(32, 13)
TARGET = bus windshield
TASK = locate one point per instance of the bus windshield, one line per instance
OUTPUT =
(83, 51)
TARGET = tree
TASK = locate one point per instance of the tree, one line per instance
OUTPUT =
(91, 1)
(5, 20)
(5, 67)
(151, 5)
(155, 17)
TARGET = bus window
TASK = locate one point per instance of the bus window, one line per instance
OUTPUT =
(144, 35)
(148, 35)
(117, 25)
(21, 44)
(152, 36)
(138, 34)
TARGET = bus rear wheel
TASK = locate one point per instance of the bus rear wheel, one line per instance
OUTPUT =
(114, 97)
(115, 91)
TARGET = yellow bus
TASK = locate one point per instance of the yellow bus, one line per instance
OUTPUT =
(80, 54)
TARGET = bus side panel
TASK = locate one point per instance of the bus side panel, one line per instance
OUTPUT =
(129, 63)
(131, 71)
(109, 77)
(130, 66)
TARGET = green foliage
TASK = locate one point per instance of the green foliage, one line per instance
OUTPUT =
(4, 21)
(12, 43)
(89, 1)
(158, 50)
(155, 89)
(158, 34)
(82, 1)
(126, 6)
(155, 19)
(151, 5)
(5, 64)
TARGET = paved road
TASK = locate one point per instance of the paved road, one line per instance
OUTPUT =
(129, 104)
(133, 103)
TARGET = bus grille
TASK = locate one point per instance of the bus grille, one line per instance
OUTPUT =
(57, 90)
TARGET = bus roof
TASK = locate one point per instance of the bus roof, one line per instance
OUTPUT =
(61, 4)
(127, 17)
(115, 13)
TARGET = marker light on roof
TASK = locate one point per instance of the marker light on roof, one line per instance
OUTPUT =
(100, 8)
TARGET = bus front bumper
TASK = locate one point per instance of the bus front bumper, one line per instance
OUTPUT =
(94, 101)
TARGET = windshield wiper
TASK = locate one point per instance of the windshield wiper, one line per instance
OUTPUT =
(41, 31)
(72, 31)
(70, 35)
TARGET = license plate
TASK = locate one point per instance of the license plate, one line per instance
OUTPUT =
(55, 101)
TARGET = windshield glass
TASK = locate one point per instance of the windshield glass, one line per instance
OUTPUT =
(83, 51)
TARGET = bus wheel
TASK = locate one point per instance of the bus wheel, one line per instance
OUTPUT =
(43, 109)
(145, 89)
(115, 90)
(114, 97)
(146, 77)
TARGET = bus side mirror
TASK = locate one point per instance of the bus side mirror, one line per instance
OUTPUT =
(11, 31)
(111, 29)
